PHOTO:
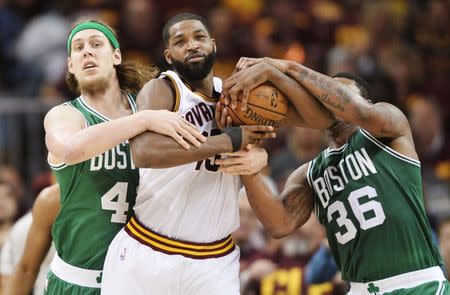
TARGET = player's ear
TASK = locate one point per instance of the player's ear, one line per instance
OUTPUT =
(117, 57)
(70, 65)
(213, 41)
(168, 56)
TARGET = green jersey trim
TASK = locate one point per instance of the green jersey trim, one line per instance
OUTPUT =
(309, 177)
(100, 115)
(388, 149)
(338, 150)
(132, 103)
(92, 110)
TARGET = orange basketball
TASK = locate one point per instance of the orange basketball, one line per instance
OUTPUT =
(266, 105)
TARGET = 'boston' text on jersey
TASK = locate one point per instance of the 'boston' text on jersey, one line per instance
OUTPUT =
(335, 178)
(115, 157)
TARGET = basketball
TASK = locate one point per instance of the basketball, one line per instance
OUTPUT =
(266, 105)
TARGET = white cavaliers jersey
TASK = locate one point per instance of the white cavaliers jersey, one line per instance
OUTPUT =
(193, 202)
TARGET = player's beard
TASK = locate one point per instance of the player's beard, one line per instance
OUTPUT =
(94, 86)
(195, 71)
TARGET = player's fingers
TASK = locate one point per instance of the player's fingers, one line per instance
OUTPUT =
(230, 81)
(194, 132)
(245, 94)
(264, 135)
(234, 96)
(218, 114)
(180, 140)
(233, 154)
(260, 128)
(229, 161)
(224, 98)
(231, 169)
(223, 117)
(258, 136)
(240, 63)
(252, 61)
(218, 110)
(236, 170)
(188, 123)
(187, 136)
(229, 121)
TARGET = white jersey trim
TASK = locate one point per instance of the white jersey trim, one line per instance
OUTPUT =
(132, 103)
(388, 149)
(75, 275)
(403, 281)
(92, 110)
(58, 166)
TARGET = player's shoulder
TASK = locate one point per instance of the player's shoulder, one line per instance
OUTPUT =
(157, 84)
(47, 199)
(66, 111)
(156, 94)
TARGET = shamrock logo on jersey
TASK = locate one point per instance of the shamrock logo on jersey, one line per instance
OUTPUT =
(373, 289)
(99, 278)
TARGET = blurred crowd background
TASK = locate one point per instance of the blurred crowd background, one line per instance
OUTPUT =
(401, 47)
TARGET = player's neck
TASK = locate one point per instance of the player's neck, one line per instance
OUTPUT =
(111, 102)
(340, 133)
(204, 86)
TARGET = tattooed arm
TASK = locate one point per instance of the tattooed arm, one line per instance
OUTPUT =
(343, 99)
(307, 111)
(281, 215)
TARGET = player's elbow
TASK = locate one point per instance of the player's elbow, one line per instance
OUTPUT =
(70, 155)
(278, 234)
(287, 226)
(144, 157)
(281, 229)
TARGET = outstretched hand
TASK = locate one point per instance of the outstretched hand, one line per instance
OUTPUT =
(244, 162)
(175, 126)
(254, 134)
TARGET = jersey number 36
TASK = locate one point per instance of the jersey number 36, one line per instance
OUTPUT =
(368, 214)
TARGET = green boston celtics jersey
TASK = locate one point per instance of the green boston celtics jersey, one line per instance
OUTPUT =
(97, 197)
(369, 198)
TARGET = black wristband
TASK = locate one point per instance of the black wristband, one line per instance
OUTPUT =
(235, 134)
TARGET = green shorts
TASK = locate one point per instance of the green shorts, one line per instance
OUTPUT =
(56, 286)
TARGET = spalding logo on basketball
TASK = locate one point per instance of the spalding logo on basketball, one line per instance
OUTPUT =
(266, 105)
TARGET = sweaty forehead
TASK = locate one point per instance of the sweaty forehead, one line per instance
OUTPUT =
(185, 27)
(89, 33)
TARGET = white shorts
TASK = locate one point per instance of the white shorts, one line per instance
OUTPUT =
(134, 268)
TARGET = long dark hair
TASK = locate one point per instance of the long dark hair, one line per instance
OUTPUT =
(132, 75)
